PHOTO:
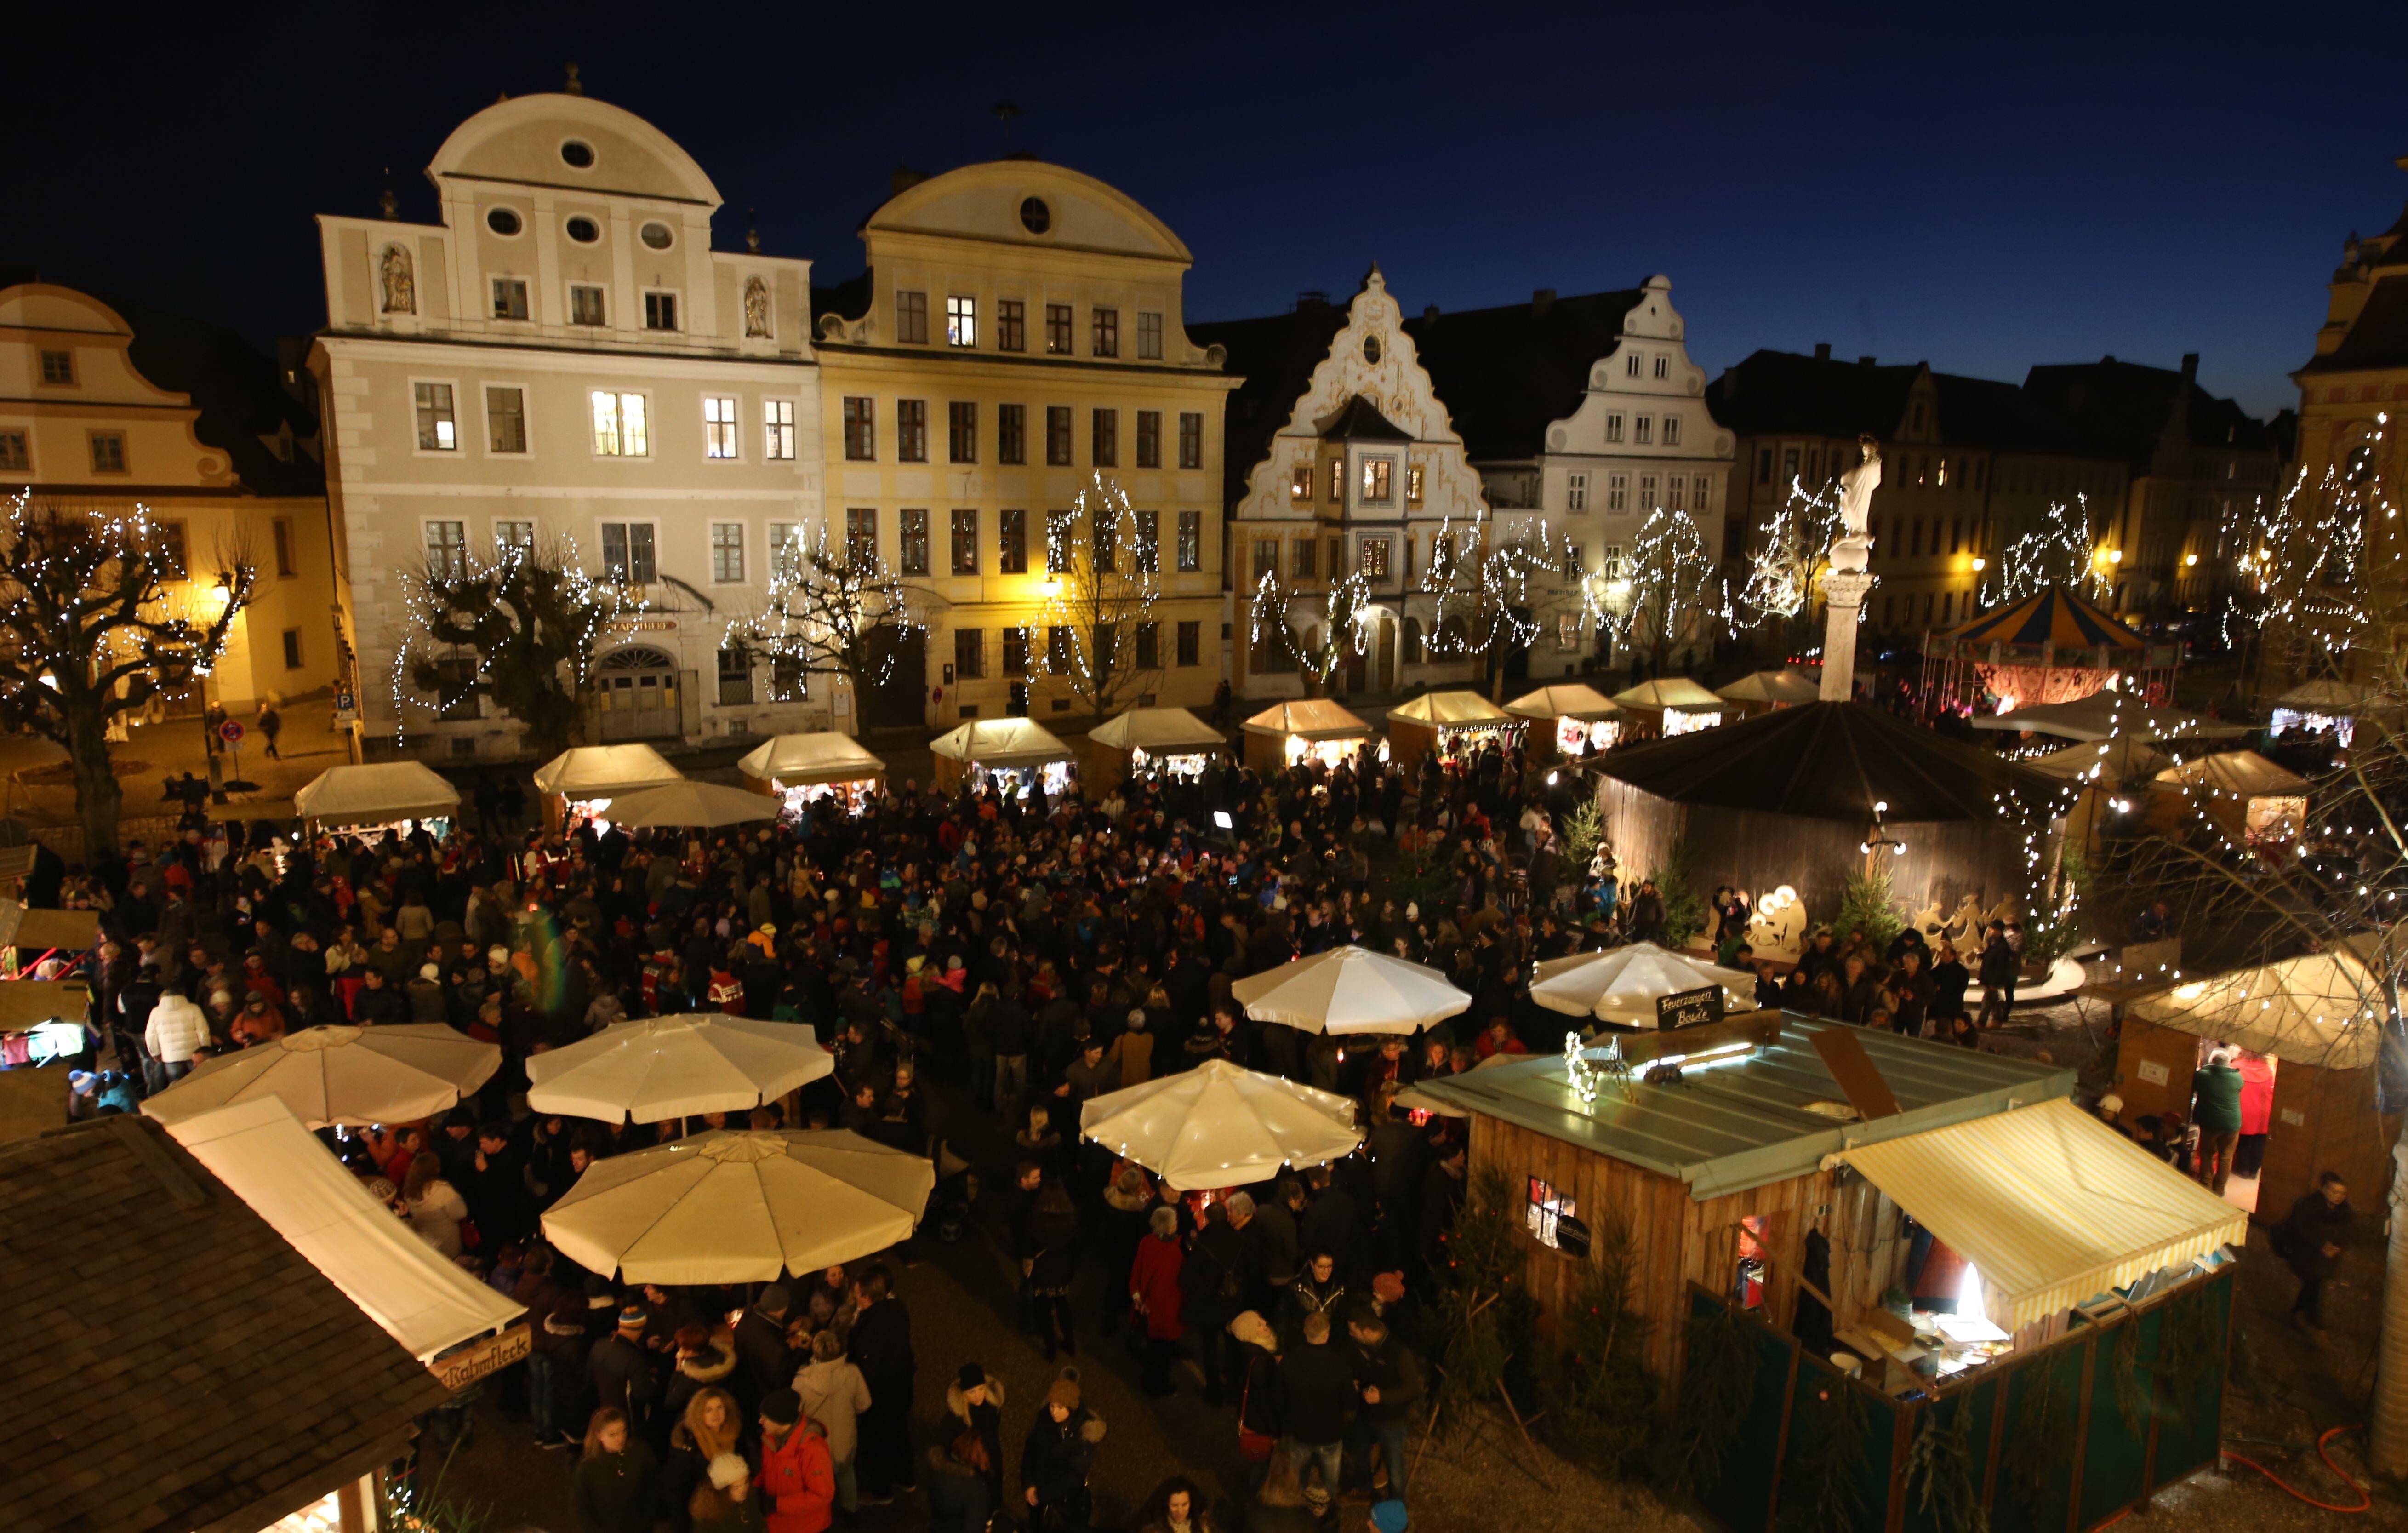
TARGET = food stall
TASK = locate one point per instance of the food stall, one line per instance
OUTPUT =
(1449, 724)
(799, 770)
(1760, 692)
(2248, 796)
(42, 1021)
(1581, 720)
(1014, 755)
(29, 937)
(579, 784)
(380, 795)
(2321, 707)
(1313, 729)
(1674, 704)
(1153, 741)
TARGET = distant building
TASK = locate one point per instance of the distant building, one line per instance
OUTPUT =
(2359, 372)
(115, 403)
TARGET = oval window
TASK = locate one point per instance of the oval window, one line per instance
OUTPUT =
(1371, 350)
(577, 154)
(502, 220)
(1035, 216)
(584, 230)
(657, 236)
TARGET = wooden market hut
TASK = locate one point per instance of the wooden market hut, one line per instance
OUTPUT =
(2318, 1017)
(1150, 737)
(1580, 719)
(1017, 747)
(2252, 801)
(1788, 797)
(1288, 732)
(1450, 724)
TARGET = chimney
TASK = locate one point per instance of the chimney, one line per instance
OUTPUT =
(2190, 368)
(1864, 361)
(1821, 350)
(1541, 302)
(1429, 314)
(1312, 298)
(903, 179)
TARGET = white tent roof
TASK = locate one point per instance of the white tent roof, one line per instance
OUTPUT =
(705, 805)
(1623, 984)
(1351, 990)
(2105, 714)
(272, 1163)
(2050, 1205)
(1164, 731)
(377, 793)
(391, 1073)
(1564, 700)
(1219, 1125)
(2100, 761)
(1001, 742)
(1669, 691)
(822, 756)
(600, 771)
(1449, 708)
(648, 1069)
(2244, 774)
(1313, 718)
(2324, 696)
(1772, 686)
(2323, 1008)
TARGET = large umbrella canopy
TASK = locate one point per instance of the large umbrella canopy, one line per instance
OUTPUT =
(2104, 715)
(392, 1074)
(821, 756)
(1219, 1125)
(649, 1068)
(1622, 985)
(1351, 990)
(746, 1206)
(704, 804)
(376, 794)
(2110, 762)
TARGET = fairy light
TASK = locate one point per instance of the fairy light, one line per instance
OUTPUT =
(1671, 586)
(1787, 566)
(1109, 585)
(829, 602)
(2062, 550)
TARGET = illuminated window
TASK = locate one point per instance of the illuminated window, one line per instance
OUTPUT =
(438, 431)
(718, 426)
(1057, 330)
(961, 321)
(619, 426)
(1375, 557)
(1376, 472)
(777, 428)
(1299, 485)
(1191, 541)
(1547, 1208)
(506, 419)
(1414, 485)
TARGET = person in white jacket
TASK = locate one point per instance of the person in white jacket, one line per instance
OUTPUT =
(834, 1393)
(177, 1030)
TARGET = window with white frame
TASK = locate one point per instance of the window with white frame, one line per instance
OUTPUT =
(447, 549)
(1575, 560)
(1663, 366)
(1672, 431)
(777, 428)
(1576, 492)
(1149, 335)
(785, 550)
(659, 312)
(1376, 557)
(627, 553)
(1376, 480)
(1698, 500)
(1631, 365)
(506, 419)
(514, 536)
(1614, 427)
(1617, 491)
(728, 552)
(961, 321)
(912, 317)
(438, 429)
(1643, 429)
(718, 426)
(620, 428)
(509, 298)
(1673, 487)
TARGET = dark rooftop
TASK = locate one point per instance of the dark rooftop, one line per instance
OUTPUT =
(1358, 420)
(2378, 337)
(1774, 392)
(1275, 354)
(1506, 374)
(238, 390)
(2123, 409)
(174, 1365)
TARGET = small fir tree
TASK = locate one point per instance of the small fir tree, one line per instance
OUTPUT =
(1685, 909)
(1582, 829)
(1868, 906)
(1599, 1397)
(1481, 1270)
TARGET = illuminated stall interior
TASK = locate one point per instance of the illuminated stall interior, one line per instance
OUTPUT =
(368, 800)
(1012, 754)
(2242, 792)
(800, 769)
(579, 784)
(2321, 707)
(1579, 719)
(1452, 725)
(1154, 742)
(1304, 729)
(1674, 704)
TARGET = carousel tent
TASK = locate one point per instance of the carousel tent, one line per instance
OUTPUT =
(2244, 774)
(2106, 715)
(2052, 616)
(1449, 710)
(1001, 742)
(1307, 718)
(822, 756)
(2109, 761)
(378, 794)
(1772, 686)
(1670, 692)
(603, 771)
(2320, 1008)
(1564, 700)
(1159, 732)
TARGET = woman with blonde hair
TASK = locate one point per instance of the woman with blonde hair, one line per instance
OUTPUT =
(711, 1426)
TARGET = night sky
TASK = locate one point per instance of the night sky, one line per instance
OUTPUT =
(1919, 185)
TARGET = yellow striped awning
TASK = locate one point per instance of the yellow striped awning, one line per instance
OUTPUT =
(2051, 1205)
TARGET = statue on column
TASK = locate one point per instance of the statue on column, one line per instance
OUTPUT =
(1853, 549)
(1847, 582)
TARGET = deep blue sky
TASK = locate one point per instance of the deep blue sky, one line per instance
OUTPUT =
(1983, 193)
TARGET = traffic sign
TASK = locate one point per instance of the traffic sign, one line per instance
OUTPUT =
(231, 731)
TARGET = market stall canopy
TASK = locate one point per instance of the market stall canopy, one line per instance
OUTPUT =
(604, 771)
(821, 756)
(2052, 615)
(649, 1068)
(2244, 774)
(1564, 700)
(2324, 695)
(2051, 1206)
(29, 1003)
(1669, 692)
(1772, 686)
(2322, 1009)
(2109, 761)
(244, 812)
(1622, 985)
(424, 1302)
(1446, 709)
(25, 927)
(1001, 742)
(393, 1073)
(2107, 714)
(1829, 761)
(1221, 1125)
(1159, 731)
(730, 1207)
(1307, 718)
(706, 804)
(1351, 990)
(377, 793)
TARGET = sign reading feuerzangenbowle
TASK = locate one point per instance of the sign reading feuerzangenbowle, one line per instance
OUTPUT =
(1689, 1008)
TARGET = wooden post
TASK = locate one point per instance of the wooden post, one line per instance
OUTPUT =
(351, 1504)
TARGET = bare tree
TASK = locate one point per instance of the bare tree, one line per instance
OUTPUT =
(1103, 560)
(1321, 629)
(1490, 590)
(2062, 550)
(92, 633)
(1785, 568)
(833, 609)
(520, 628)
(1666, 592)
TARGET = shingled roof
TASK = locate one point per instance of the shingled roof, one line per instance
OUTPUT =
(2122, 409)
(1771, 392)
(1506, 374)
(174, 1365)
(2378, 337)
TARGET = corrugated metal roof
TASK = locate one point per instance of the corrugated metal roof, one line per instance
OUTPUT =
(1729, 1127)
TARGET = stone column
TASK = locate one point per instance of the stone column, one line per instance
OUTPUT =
(1843, 596)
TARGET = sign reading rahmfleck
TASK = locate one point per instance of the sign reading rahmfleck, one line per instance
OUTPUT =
(458, 1371)
(1689, 1008)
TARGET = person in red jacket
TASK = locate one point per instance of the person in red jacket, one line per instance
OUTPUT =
(1154, 1293)
(796, 1475)
(2257, 1110)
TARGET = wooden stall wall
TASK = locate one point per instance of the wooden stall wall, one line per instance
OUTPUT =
(2155, 1065)
(1408, 740)
(2324, 1120)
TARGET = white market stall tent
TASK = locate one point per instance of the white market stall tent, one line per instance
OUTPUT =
(1014, 753)
(1782, 688)
(1171, 740)
(1314, 728)
(820, 764)
(1221, 1125)
(380, 792)
(1583, 718)
(2106, 715)
(391, 1073)
(1681, 705)
(585, 777)
(1451, 723)
(2322, 705)
(2242, 791)
(424, 1302)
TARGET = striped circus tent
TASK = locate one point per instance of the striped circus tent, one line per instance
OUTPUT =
(2050, 616)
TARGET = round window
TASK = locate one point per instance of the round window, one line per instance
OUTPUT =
(1371, 350)
(577, 154)
(502, 220)
(657, 236)
(584, 230)
(1035, 216)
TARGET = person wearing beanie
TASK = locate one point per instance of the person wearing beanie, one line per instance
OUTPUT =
(974, 1404)
(1058, 1455)
(797, 1478)
(1389, 1517)
(621, 1371)
(724, 1502)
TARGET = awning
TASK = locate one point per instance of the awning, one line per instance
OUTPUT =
(1159, 731)
(820, 757)
(1001, 742)
(602, 771)
(23, 927)
(1669, 692)
(378, 794)
(1311, 718)
(1564, 700)
(272, 1163)
(2049, 1204)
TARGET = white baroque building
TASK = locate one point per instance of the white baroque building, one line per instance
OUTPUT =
(565, 357)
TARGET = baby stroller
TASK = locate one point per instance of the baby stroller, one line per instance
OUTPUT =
(957, 1190)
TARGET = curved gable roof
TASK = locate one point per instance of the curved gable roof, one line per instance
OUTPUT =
(983, 202)
(519, 141)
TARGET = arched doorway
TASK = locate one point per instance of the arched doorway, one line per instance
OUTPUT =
(638, 695)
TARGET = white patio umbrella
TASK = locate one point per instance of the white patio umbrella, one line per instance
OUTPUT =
(1622, 985)
(746, 1206)
(392, 1074)
(1351, 990)
(704, 804)
(1219, 1125)
(653, 1067)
